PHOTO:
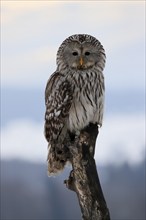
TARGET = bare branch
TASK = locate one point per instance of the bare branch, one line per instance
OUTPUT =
(84, 178)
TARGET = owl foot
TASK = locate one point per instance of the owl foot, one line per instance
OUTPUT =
(88, 137)
(62, 152)
(55, 163)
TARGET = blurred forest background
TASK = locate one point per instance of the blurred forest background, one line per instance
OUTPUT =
(31, 32)
(27, 193)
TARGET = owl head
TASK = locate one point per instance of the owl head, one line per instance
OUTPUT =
(80, 52)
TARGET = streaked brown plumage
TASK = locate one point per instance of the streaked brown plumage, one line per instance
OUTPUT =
(74, 95)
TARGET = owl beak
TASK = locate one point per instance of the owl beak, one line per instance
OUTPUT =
(81, 61)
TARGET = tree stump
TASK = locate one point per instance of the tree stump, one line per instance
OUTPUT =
(83, 179)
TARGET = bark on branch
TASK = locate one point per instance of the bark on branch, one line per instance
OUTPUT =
(84, 178)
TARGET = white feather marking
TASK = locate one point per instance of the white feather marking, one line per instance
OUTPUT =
(57, 113)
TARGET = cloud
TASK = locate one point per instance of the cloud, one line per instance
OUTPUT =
(24, 140)
(121, 140)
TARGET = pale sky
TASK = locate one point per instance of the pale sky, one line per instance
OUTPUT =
(32, 31)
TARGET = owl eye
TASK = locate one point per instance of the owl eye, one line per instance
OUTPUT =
(75, 53)
(87, 53)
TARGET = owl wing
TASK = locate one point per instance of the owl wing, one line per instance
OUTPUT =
(58, 98)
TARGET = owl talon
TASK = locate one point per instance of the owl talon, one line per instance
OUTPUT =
(62, 154)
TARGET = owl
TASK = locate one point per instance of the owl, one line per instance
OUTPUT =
(74, 96)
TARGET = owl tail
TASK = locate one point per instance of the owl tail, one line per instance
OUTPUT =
(56, 160)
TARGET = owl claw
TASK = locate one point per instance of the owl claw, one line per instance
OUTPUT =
(62, 152)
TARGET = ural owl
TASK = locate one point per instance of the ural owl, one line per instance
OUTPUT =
(74, 95)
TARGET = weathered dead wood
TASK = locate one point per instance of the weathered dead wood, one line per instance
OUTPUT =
(84, 178)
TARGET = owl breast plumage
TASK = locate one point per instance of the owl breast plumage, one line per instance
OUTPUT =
(87, 105)
(74, 94)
